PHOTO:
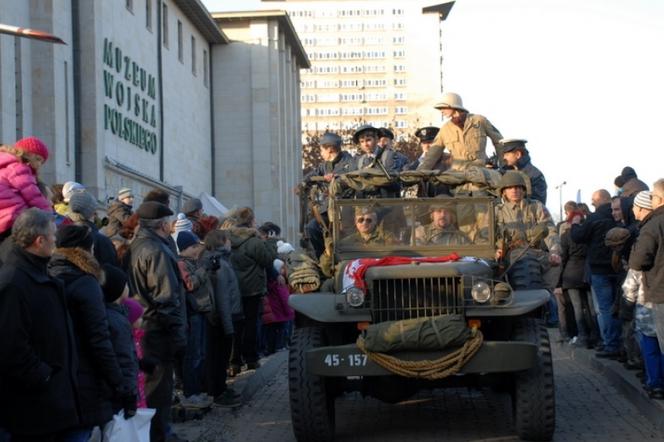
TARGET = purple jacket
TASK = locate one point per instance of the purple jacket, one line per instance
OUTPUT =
(277, 296)
(18, 190)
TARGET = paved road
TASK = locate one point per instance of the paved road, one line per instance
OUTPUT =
(588, 409)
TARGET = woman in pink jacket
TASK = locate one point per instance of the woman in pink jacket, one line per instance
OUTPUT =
(19, 165)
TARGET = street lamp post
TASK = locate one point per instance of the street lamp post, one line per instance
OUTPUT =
(559, 188)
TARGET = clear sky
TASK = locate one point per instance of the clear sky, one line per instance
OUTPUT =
(582, 80)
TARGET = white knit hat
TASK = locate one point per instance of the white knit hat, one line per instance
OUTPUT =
(643, 199)
(69, 188)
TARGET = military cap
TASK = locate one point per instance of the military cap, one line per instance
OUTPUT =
(510, 144)
(512, 178)
(364, 210)
(427, 134)
(362, 129)
(330, 139)
(153, 210)
(192, 205)
(385, 132)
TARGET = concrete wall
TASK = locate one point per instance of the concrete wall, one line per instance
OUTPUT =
(257, 122)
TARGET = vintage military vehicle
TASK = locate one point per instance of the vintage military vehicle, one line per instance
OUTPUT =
(395, 260)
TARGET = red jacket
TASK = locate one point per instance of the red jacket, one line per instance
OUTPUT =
(18, 190)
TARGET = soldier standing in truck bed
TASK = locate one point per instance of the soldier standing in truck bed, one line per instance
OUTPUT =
(463, 135)
(517, 157)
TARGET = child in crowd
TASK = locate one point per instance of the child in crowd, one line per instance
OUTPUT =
(198, 297)
(276, 311)
(19, 167)
(135, 316)
(115, 293)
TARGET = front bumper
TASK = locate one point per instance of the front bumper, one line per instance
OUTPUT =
(492, 357)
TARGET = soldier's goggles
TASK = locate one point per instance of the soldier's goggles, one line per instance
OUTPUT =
(362, 220)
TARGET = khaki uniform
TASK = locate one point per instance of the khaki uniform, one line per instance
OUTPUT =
(467, 146)
(430, 234)
(377, 237)
(515, 223)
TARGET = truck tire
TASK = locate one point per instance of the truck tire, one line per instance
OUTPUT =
(312, 406)
(534, 392)
(526, 273)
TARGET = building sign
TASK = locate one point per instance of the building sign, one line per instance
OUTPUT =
(130, 108)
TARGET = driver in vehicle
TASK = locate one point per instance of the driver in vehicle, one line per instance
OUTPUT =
(442, 230)
(368, 229)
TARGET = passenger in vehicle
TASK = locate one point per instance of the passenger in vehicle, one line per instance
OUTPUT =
(442, 230)
(368, 230)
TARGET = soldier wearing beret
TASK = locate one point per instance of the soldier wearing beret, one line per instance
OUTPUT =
(517, 157)
(335, 162)
(463, 135)
(155, 278)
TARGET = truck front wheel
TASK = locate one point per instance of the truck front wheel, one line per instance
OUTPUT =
(312, 405)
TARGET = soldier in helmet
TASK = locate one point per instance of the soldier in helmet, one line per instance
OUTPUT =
(442, 230)
(335, 162)
(517, 157)
(520, 221)
(463, 135)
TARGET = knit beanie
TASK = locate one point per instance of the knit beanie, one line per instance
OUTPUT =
(83, 203)
(182, 224)
(115, 281)
(69, 188)
(186, 239)
(34, 146)
(134, 309)
(125, 192)
(73, 235)
(643, 199)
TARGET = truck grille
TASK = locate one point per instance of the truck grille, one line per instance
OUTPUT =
(397, 299)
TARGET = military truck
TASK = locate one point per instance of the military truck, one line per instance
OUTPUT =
(399, 271)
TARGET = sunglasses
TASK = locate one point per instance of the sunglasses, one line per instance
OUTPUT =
(367, 220)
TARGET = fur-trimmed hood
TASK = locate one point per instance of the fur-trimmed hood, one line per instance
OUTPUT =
(75, 260)
(241, 234)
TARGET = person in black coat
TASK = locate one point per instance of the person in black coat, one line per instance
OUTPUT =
(37, 351)
(116, 291)
(603, 278)
(99, 375)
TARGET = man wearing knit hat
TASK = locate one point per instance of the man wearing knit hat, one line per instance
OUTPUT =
(648, 255)
(154, 276)
(82, 210)
(119, 211)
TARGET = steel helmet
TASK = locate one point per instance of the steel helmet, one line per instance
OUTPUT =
(451, 100)
(512, 178)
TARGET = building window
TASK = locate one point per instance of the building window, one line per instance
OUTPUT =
(130, 5)
(193, 55)
(148, 14)
(164, 24)
(180, 48)
(206, 74)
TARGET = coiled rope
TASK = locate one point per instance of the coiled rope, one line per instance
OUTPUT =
(440, 368)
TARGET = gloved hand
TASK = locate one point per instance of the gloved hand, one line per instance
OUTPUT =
(213, 263)
(129, 405)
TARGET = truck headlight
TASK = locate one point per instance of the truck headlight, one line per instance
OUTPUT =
(354, 296)
(481, 292)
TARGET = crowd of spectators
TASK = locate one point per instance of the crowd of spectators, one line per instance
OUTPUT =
(145, 309)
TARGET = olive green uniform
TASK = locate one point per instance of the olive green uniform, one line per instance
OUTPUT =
(515, 225)
(447, 236)
(377, 237)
